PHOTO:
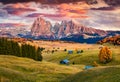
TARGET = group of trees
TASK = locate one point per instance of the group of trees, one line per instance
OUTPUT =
(9, 47)
(105, 55)
(113, 40)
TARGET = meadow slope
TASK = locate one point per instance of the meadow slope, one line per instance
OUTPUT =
(89, 55)
(99, 74)
(16, 69)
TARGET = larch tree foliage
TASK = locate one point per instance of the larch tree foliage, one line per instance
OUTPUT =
(105, 55)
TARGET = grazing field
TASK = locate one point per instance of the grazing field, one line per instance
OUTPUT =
(18, 69)
(61, 45)
(99, 74)
(89, 55)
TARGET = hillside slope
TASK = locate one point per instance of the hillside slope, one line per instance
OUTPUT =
(89, 55)
(102, 74)
(16, 69)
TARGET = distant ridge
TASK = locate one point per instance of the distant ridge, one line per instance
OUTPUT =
(68, 31)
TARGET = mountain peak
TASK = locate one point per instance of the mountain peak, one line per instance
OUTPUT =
(66, 28)
(41, 28)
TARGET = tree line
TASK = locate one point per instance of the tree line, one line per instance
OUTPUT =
(113, 40)
(9, 47)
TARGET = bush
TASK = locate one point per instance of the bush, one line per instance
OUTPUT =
(52, 51)
(56, 50)
(65, 50)
(81, 51)
(105, 55)
(95, 64)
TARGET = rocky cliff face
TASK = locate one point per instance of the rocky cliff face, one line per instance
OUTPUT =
(41, 28)
(44, 29)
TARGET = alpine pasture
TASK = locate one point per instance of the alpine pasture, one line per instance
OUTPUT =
(18, 69)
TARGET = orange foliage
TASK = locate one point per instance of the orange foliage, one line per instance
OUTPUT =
(105, 55)
(113, 40)
(95, 64)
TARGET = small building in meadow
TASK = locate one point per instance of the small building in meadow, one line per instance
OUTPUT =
(65, 61)
(78, 52)
(88, 67)
(70, 51)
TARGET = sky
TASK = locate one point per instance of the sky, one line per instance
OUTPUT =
(42, 1)
(95, 16)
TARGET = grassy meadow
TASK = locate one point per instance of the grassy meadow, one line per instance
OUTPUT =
(89, 55)
(99, 74)
(18, 69)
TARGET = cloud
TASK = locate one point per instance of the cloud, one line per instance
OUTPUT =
(3, 13)
(1, 5)
(44, 15)
(11, 25)
(80, 11)
(101, 18)
(17, 9)
(74, 10)
(41, 1)
(104, 8)
(15, 1)
(107, 20)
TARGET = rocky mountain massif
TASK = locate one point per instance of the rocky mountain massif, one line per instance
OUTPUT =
(67, 30)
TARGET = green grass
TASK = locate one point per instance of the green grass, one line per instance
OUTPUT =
(101, 74)
(16, 69)
(85, 58)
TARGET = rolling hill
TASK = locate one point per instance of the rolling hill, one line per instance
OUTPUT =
(101, 74)
(15, 69)
(89, 55)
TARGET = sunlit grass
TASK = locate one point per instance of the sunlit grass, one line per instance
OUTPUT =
(101, 74)
(86, 58)
(16, 69)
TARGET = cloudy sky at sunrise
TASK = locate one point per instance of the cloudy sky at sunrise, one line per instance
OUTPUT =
(81, 13)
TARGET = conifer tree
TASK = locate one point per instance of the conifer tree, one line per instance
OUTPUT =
(9, 47)
(38, 54)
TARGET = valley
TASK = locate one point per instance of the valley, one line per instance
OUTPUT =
(59, 40)
(17, 69)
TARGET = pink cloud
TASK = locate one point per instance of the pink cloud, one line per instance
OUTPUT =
(45, 15)
(12, 25)
(18, 9)
(80, 11)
